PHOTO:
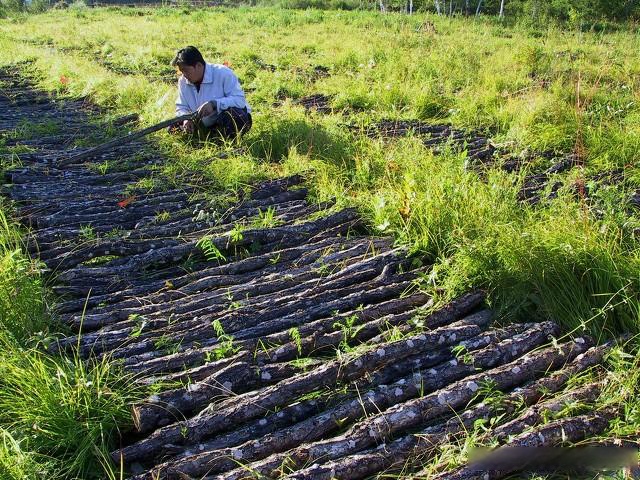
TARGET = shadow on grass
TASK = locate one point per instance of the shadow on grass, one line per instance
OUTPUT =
(273, 140)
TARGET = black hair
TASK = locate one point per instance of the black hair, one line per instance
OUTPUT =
(190, 56)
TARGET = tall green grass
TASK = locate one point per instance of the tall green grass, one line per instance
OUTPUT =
(530, 89)
(58, 416)
(569, 260)
(21, 293)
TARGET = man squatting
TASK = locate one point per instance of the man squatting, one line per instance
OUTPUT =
(214, 92)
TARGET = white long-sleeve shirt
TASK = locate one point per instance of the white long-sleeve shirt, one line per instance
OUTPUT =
(219, 85)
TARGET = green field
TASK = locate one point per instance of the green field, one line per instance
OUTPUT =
(530, 89)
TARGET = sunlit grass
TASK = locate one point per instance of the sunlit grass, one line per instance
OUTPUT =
(529, 89)
(58, 416)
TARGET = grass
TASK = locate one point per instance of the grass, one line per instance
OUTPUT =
(530, 88)
(58, 416)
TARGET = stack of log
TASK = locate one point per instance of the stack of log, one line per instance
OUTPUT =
(288, 344)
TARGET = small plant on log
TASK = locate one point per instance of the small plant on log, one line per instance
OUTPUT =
(103, 167)
(87, 232)
(349, 332)
(275, 260)
(266, 219)
(115, 232)
(461, 353)
(295, 337)
(210, 251)
(162, 216)
(490, 394)
(167, 344)
(225, 348)
(236, 233)
(392, 333)
(140, 323)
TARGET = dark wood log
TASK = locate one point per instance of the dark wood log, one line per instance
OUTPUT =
(24, 175)
(248, 406)
(304, 279)
(201, 331)
(374, 400)
(149, 417)
(408, 415)
(201, 280)
(194, 322)
(535, 415)
(230, 287)
(273, 187)
(282, 236)
(560, 432)
(256, 429)
(532, 392)
(148, 364)
(421, 445)
(239, 377)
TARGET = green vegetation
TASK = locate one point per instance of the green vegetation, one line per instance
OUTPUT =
(58, 416)
(530, 88)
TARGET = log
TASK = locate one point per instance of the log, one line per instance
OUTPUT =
(531, 392)
(236, 286)
(296, 280)
(256, 429)
(560, 432)
(421, 445)
(411, 414)
(282, 236)
(194, 322)
(28, 175)
(535, 415)
(200, 393)
(239, 377)
(201, 280)
(201, 330)
(195, 356)
(375, 400)
(270, 188)
(248, 406)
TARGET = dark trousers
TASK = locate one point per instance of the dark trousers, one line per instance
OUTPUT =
(231, 123)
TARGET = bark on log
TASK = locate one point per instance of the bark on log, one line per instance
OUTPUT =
(239, 377)
(199, 394)
(560, 432)
(147, 364)
(106, 147)
(204, 334)
(273, 187)
(248, 406)
(375, 400)
(282, 236)
(295, 281)
(422, 444)
(208, 278)
(411, 414)
(195, 323)
(536, 414)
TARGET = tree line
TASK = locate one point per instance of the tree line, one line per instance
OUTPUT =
(563, 10)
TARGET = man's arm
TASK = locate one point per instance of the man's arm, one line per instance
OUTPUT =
(182, 104)
(233, 94)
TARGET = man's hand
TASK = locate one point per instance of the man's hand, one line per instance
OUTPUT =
(206, 109)
(188, 126)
